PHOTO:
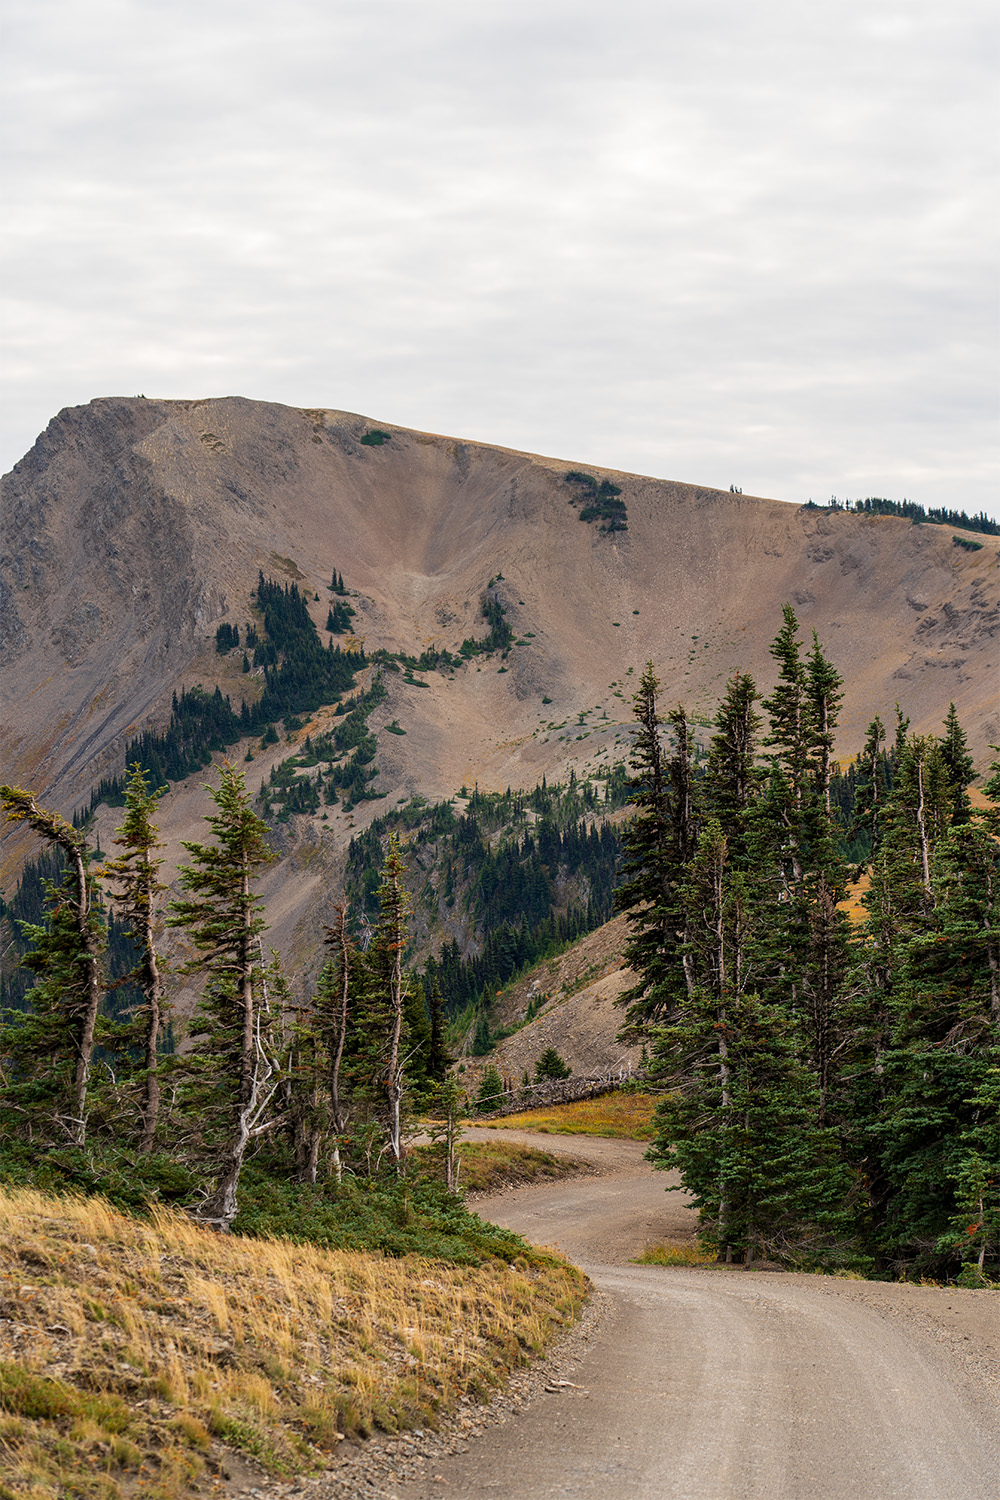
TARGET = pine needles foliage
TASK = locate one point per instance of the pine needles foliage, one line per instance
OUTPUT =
(828, 1093)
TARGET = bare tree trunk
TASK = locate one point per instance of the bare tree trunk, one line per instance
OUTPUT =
(394, 1080)
(312, 1165)
(153, 989)
(925, 858)
(247, 1058)
(85, 1044)
(719, 965)
(220, 1209)
(344, 947)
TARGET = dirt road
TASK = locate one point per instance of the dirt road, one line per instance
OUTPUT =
(716, 1384)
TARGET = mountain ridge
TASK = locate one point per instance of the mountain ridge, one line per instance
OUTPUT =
(135, 527)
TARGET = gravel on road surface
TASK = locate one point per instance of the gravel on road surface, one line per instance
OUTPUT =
(708, 1383)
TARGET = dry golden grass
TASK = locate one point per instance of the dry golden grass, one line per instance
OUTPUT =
(134, 1355)
(625, 1116)
(853, 905)
(676, 1253)
(490, 1165)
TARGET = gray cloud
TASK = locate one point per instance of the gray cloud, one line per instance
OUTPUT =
(712, 241)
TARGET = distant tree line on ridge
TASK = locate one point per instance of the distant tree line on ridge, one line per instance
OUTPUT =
(935, 515)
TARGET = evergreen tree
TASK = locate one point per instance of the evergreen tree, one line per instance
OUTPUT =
(232, 1063)
(656, 844)
(390, 987)
(789, 711)
(732, 777)
(824, 695)
(738, 1120)
(136, 887)
(417, 1031)
(872, 785)
(551, 1065)
(439, 1060)
(445, 1129)
(917, 816)
(960, 767)
(305, 1107)
(938, 1131)
(809, 933)
(53, 1046)
(491, 1093)
(333, 1010)
(692, 1053)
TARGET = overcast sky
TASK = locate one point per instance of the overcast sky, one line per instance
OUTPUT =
(728, 241)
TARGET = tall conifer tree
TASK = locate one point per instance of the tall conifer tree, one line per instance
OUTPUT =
(656, 843)
(136, 888)
(53, 1046)
(233, 1062)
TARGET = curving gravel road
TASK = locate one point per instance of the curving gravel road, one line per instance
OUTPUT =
(721, 1384)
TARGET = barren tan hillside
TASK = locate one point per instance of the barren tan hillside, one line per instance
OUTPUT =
(134, 527)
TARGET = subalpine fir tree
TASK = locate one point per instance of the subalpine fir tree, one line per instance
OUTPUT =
(824, 695)
(872, 786)
(809, 932)
(656, 842)
(332, 1012)
(439, 1059)
(387, 988)
(916, 817)
(960, 766)
(691, 1055)
(938, 1131)
(551, 1066)
(740, 1113)
(302, 1102)
(135, 890)
(491, 1093)
(52, 1047)
(647, 869)
(417, 1030)
(738, 1120)
(788, 710)
(232, 1064)
(732, 776)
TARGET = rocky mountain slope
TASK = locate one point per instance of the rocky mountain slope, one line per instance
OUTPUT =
(135, 527)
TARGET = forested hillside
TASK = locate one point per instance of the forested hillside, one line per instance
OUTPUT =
(510, 875)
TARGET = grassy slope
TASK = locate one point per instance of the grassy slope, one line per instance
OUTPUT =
(136, 1356)
(625, 1116)
(488, 1166)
